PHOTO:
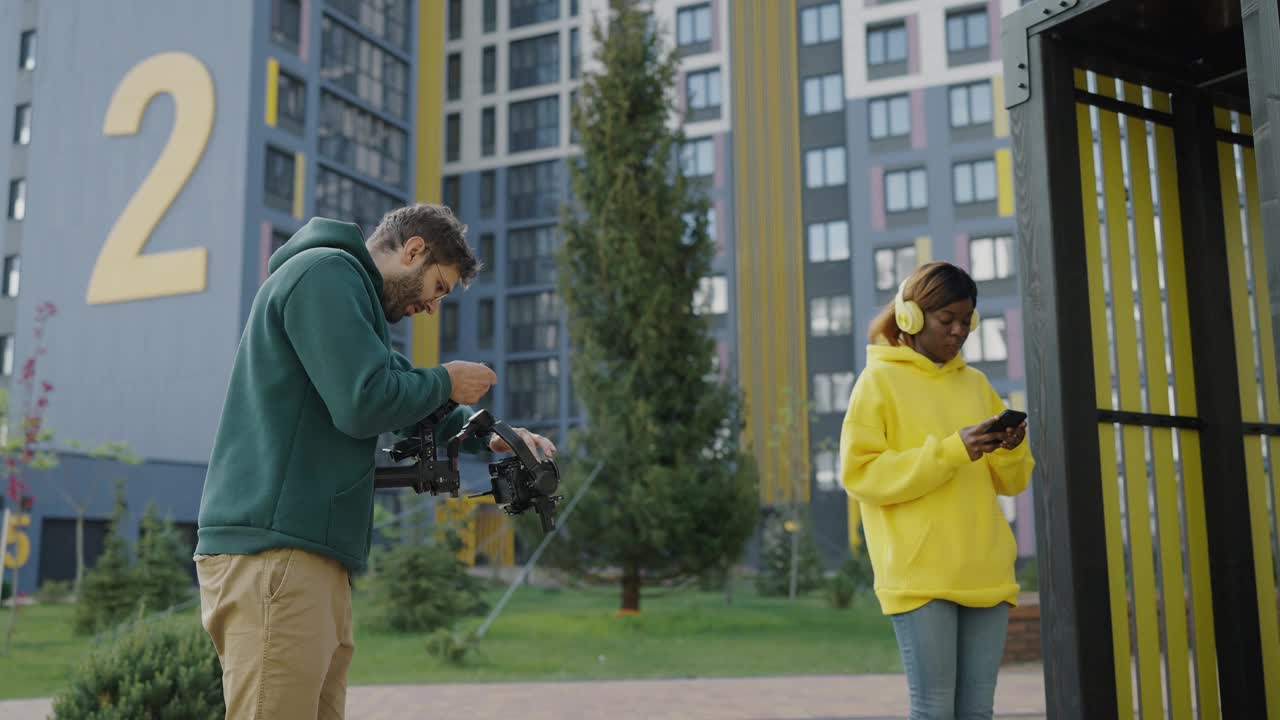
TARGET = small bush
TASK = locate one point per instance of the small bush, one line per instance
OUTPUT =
(53, 592)
(162, 579)
(421, 588)
(774, 578)
(451, 648)
(107, 595)
(164, 671)
(1029, 575)
(855, 578)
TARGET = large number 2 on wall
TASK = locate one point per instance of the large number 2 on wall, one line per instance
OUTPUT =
(122, 271)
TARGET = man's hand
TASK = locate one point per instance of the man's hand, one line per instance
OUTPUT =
(541, 447)
(470, 381)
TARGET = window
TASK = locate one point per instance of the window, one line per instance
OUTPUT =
(824, 470)
(6, 355)
(27, 51)
(485, 323)
(831, 392)
(830, 316)
(449, 328)
(452, 137)
(357, 138)
(533, 322)
(533, 124)
(278, 188)
(690, 225)
(487, 251)
(887, 44)
(490, 15)
(890, 117)
(988, 343)
(488, 193)
(991, 258)
(575, 54)
(533, 389)
(451, 193)
(703, 89)
(385, 19)
(712, 295)
(291, 102)
(488, 131)
(698, 158)
(967, 30)
(824, 167)
(22, 125)
(893, 265)
(820, 24)
(455, 19)
(531, 12)
(906, 190)
(531, 256)
(534, 61)
(343, 198)
(971, 104)
(12, 275)
(358, 66)
(829, 241)
(453, 73)
(489, 70)
(573, 8)
(533, 190)
(823, 94)
(693, 25)
(974, 182)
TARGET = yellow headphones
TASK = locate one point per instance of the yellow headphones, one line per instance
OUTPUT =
(910, 317)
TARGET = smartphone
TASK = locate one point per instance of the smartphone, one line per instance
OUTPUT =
(1008, 419)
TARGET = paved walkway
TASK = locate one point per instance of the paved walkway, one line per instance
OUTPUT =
(1020, 695)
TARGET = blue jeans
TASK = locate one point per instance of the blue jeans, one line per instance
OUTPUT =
(952, 655)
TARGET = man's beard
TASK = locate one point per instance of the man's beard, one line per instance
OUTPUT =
(399, 293)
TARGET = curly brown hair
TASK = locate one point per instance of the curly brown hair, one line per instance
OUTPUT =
(444, 234)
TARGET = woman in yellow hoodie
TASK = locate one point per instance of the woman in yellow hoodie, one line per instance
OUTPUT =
(918, 455)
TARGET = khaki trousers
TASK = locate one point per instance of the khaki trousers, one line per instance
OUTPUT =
(281, 623)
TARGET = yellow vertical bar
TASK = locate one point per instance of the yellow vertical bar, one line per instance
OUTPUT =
(1264, 561)
(1106, 435)
(273, 90)
(793, 235)
(1165, 480)
(924, 250)
(771, 390)
(299, 184)
(1004, 176)
(745, 226)
(428, 138)
(1129, 382)
(1185, 398)
(999, 115)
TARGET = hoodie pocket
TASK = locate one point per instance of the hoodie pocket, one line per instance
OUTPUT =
(349, 516)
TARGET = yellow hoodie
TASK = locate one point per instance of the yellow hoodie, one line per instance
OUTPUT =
(933, 525)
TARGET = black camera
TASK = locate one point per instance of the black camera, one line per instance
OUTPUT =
(518, 483)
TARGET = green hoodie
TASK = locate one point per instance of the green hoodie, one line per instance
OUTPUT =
(315, 382)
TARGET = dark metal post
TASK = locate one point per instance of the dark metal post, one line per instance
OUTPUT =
(1070, 543)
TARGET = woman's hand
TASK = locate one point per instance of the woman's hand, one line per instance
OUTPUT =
(978, 441)
(1014, 436)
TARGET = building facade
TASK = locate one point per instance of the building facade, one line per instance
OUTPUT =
(161, 152)
(842, 144)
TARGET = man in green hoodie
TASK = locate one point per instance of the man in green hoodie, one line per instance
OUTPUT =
(287, 512)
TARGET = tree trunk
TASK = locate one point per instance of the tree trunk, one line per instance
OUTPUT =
(630, 589)
(79, 551)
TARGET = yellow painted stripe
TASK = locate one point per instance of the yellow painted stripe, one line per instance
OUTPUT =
(1081, 79)
(777, 277)
(1222, 118)
(745, 233)
(788, 160)
(1129, 381)
(1004, 176)
(924, 250)
(1234, 232)
(427, 165)
(299, 184)
(1000, 116)
(1263, 521)
(1177, 648)
(769, 392)
(1185, 398)
(273, 90)
(1106, 434)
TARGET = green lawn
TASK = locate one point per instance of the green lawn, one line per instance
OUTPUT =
(567, 635)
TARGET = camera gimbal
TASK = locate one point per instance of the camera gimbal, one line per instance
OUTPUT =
(518, 483)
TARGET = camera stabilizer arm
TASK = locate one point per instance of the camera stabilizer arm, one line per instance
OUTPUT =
(518, 483)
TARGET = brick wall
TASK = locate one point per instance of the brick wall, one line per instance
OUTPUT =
(1023, 643)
